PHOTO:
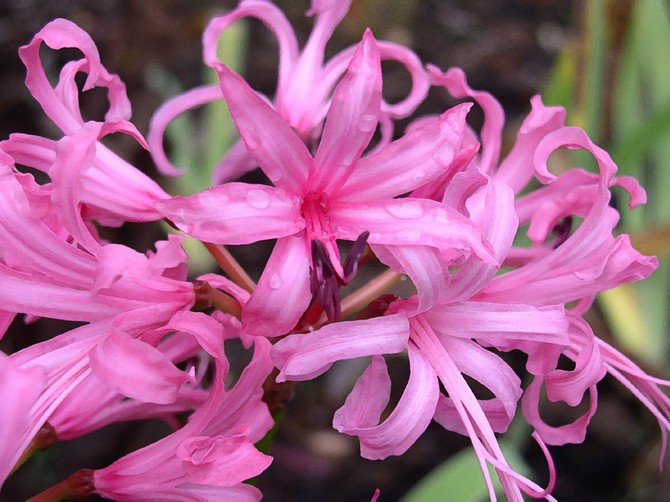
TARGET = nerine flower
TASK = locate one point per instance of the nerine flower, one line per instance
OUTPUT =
(209, 457)
(305, 83)
(334, 195)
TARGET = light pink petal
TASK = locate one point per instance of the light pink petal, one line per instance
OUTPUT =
(270, 15)
(410, 417)
(136, 369)
(222, 460)
(235, 213)
(455, 82)
(574, 432)
(409, 162)
(269, 139)
(19, 392)
(412, 222)
(31, 246)
(500, 325)
(282, 293)
(225, 284)
(388, 51)
(490, 371)
(207, 331)
(60, 107)
(517, 168)
(305, 356)
(368, 399)
(169, 111)
(302, 92)
(351, 121)
(40, 296)
(425, 266)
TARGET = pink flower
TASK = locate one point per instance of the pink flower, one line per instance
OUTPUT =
(20, 390)
(208, 458)
(334, 195)
(444, 343)
(109, 189)
(305, 83)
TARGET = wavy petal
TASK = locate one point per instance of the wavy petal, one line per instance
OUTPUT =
(410, 417)
(136, 369)
(305, 356)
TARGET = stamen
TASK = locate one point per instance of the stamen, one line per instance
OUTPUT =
(351, 261)
(562, 231)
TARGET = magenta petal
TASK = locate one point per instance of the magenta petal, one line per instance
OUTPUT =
(269, 139)
(282, 293)
(167, 112)
(304, 356)
(222, 460)
(366, 402)
(517, 168)
(410, 221)
(19, 392)
(235, 213)
(351, 120)
(409, 162)
(136, 369)
(410, 417)
(455, 82)
(574, 432)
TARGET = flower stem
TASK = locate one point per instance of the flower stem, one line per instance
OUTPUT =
(44, 438)
(230, 266)
(364, 295)
(78, 485)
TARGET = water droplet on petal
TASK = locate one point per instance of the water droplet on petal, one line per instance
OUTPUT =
(248, 133)
(368, 123)
(443, 157)
(276, 281)
(409, 235)
(258, 199)
(406, 211)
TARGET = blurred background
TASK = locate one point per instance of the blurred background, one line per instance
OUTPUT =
(606, 60)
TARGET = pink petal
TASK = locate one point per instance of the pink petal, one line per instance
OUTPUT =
(222, 460)
(63, 110)
(409, 162)
(235, 213)
(305, 356)
(517, 168)
(368, 400)
(455, 82)
(410, 222)
(282, 293)
(169, 111)
(410, 417)
(351, 120)
(270, 15)
(19, 392)
(136, 369)
(269, 139)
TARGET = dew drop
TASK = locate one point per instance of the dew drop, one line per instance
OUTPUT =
(409, 235)
(444, 157)
(406, 211)
(368, 123)
(276, 281)
(258, 199)
(248, 133)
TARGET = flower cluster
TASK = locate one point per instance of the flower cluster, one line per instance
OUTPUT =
(434, 202)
